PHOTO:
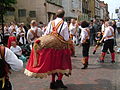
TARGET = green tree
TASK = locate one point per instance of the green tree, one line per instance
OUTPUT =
(5, 5)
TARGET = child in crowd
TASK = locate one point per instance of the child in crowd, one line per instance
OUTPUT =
(17, 51)
(98, 36)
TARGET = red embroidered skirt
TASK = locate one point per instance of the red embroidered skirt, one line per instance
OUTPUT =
(49, 61)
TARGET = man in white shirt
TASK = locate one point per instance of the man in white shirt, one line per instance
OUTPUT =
(108, 38)
(118, 27)
(34, 32)
(8, 59)
(64, 31)
(21, 34)
(12, 29)
(73, 28)
(57, 31)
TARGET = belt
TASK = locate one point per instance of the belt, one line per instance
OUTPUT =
(3, 81)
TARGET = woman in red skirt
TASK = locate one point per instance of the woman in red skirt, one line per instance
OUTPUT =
(51, 54)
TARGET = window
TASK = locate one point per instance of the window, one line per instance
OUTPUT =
(22, 13)
(32, 14)
(10, 13)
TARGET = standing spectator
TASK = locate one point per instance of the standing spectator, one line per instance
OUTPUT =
(12, 29)
(6, 33)
(118, 27)
(95, 27)
(21, 34)
(92, 33)
(34, 32)
(102, 26)
(26, 29)
(73, 30)
(115, 28)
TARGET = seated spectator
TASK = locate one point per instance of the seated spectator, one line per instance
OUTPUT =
(17, 51)
(10, 40)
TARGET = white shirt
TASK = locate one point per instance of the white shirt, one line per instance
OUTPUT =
(118, 24)
(16, 50)
(30, 36)
(6, 32)
(84, 34)
(11, 29)
(108, 32)
(64, 31)
(23, 35)
(72, 29)
(15, 63)
(19, 31)
(103, 28)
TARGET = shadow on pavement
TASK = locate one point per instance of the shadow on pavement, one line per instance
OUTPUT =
(101, 84)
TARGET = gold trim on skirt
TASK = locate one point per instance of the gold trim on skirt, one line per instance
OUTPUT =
(44, 75)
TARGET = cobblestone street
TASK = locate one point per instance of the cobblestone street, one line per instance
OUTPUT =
(96, 77)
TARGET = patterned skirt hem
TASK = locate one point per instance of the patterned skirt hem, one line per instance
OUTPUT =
(67, 72)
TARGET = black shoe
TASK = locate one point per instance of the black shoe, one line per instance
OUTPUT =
(112, 61)
(87, 63)
(60, 84)
(53, 85)
(85, 67)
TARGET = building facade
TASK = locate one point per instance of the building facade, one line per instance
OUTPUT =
(40, 10)
(104, 14)
(85, 10)
(44, 10)
(72, 9)
(91, 8)
(97, 9)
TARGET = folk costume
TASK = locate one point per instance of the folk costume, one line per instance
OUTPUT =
(85, 36)
(50, 53)
(8, 60)
(108, 38)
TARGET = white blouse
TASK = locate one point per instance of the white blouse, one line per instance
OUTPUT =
(84, 34)
(108, 32)
(15, 63)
